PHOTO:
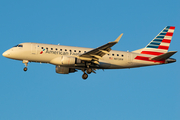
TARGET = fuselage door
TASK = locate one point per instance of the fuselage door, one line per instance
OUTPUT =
(34, 48)
(129, 57)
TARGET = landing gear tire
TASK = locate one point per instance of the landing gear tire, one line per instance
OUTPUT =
(25, 69)
(85, 76)
(89, 70)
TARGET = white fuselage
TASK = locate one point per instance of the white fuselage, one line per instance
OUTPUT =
(44, 53)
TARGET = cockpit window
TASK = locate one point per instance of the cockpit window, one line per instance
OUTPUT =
(18, 46)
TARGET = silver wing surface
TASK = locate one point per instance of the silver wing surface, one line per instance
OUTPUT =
(97, 53)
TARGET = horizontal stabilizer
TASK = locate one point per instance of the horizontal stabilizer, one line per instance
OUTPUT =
(164, 56)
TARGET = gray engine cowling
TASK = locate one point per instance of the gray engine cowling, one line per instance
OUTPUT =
(64, 70)
(69, 60)
(65, 60)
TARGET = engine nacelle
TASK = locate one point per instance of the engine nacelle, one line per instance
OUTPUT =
(64, 70)
(65, 61)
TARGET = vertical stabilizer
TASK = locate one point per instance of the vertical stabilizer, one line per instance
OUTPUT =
(160, 44)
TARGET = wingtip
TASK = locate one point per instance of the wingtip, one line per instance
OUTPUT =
(117, 40)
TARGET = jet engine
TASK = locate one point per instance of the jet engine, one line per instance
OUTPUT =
(65, 61)
(69, 60)
(64, 70)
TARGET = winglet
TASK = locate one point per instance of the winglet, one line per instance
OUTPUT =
(117, 40)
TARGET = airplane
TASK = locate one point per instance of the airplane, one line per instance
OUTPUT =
(69, 59)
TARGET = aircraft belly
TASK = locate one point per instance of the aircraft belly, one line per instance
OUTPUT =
(104, 65)
(111, 64)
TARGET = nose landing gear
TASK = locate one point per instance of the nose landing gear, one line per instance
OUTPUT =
(26, 64)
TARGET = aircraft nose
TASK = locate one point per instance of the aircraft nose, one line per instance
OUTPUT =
(6, 54)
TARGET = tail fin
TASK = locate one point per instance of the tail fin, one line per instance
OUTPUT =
(160, 44)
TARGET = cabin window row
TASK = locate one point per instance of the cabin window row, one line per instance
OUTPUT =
(116, 55)
(62, 50)
(79, 51)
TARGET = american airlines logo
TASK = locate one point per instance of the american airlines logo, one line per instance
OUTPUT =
(42, 51)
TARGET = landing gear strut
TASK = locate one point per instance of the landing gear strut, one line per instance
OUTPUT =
(86, 72)
(26, 64)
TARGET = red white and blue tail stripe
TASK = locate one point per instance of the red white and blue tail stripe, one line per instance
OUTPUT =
(158, 46)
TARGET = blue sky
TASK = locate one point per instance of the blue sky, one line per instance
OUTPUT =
(40, 94)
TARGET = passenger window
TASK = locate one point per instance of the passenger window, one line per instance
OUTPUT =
(69, 50)
(84, 51)
(108, 54)
(60, 49)
(117, 54)
(41, 47)
(51, 48)
(122, 55)
(112, 54)
(74, 50)
(46, 48)
(65, 50)
(79, 51)
(56, 49)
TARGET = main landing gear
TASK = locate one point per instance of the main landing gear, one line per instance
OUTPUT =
(26, 64)
(89, 71)
(85, 76)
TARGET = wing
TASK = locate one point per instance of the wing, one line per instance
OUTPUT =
(97, 53)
